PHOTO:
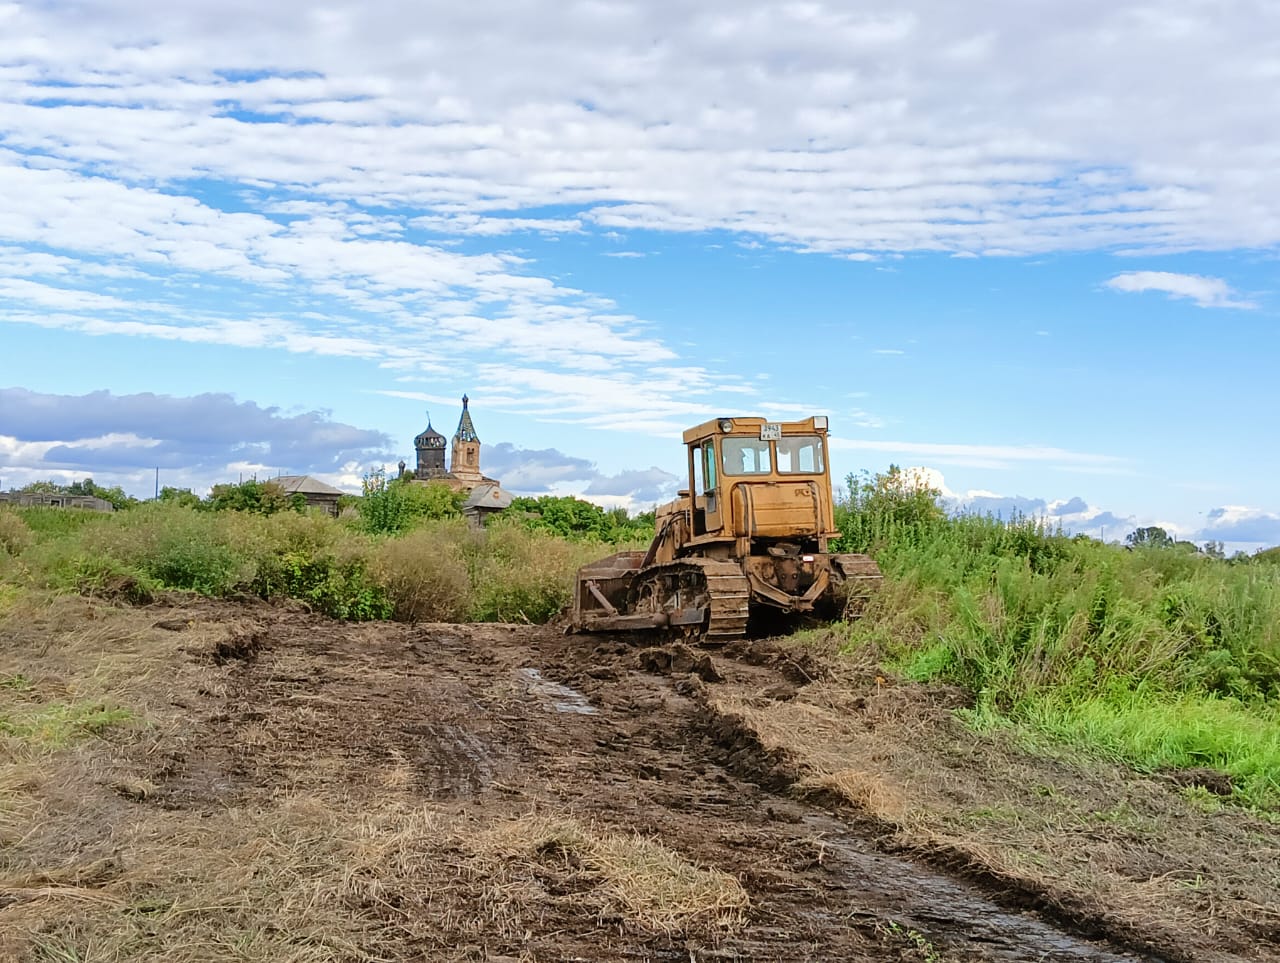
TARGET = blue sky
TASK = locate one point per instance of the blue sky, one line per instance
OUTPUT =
(1028, 248)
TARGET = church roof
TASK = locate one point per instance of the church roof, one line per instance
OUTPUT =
(466, 430)
(421, 440)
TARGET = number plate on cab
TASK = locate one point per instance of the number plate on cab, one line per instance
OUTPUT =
(771, 431)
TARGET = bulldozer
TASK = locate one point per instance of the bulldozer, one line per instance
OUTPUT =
(747, 540)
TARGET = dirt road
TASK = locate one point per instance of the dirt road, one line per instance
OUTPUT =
(505, 721)
(453, 792)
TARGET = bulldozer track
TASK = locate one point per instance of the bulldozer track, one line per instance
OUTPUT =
(719, 586)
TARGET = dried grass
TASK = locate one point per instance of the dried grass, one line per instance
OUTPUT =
(300, 883)
(635, 877)
(1089, 838)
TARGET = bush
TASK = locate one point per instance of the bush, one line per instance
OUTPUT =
(176, 547)
(574, 518)
(518, 575)
(424, 574)
(336, 585)
(15, 534)
(396, 506)
(259, 498)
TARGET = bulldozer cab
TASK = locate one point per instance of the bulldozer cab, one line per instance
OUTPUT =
(760, 482)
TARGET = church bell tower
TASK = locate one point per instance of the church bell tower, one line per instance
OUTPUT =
(465, 461)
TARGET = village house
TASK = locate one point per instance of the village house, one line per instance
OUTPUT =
(89, 503)
(315, 492)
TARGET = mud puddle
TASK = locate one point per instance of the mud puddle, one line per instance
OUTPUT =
(953, 916)
(559, 697)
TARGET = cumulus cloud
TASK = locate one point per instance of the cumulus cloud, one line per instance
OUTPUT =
(201, 439)
(1073, 515)
(1207, 292)
(1241, 524)
(291, 178)
(644, 486)
(534, 471)
(550, 471)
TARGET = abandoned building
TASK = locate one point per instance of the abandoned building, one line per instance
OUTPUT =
(316, 493)
(462, 474)
(89, 503)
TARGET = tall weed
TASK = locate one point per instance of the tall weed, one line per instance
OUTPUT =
(425, 574)
(15, 534)
(1159, 656)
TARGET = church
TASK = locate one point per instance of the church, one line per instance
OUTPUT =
(463, 471)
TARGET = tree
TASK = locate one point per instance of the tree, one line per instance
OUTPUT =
(1213, 549)
(1150, 537)
(179, 496)
(571, 517)
(255, 497)
(392, 506)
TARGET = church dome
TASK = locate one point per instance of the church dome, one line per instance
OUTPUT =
(429, 439)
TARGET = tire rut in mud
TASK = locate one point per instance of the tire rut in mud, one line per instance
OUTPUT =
(940, 899)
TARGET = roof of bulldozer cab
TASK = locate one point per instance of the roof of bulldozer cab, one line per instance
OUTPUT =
(752, 426)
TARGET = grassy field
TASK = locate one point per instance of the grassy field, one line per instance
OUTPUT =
(1162, 658)
(434, 570)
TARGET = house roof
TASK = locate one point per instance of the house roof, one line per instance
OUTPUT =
(487, 496)
(305, 485)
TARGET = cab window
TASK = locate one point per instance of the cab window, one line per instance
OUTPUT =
(802, 454)
(704, 469)
(746, 456)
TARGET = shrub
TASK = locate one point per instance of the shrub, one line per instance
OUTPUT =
(396, 506)
(573, 518)
(175, 546)
(15, 534)
(519, 575)
(259, 498)
(1049, 630)
(338, 586)
(424, 574)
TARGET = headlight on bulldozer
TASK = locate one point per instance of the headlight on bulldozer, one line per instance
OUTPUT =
(820, 422)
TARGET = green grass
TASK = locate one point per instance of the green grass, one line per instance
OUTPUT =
(1158, 657)
(57, 725)
(437, 569)
(1240, 739)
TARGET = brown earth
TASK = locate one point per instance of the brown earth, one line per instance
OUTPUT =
(309, 790)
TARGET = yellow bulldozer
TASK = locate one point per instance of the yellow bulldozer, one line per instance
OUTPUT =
(748, 538)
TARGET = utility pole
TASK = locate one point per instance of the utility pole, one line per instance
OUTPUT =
(157, 482)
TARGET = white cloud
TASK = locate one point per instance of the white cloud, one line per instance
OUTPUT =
(1241, 525)
(1073, 515)
(198, 440)
(987, 456)
(814, 124)
(319, 179)
(1205, 291)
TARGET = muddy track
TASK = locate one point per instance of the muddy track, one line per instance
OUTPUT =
(499, 721)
